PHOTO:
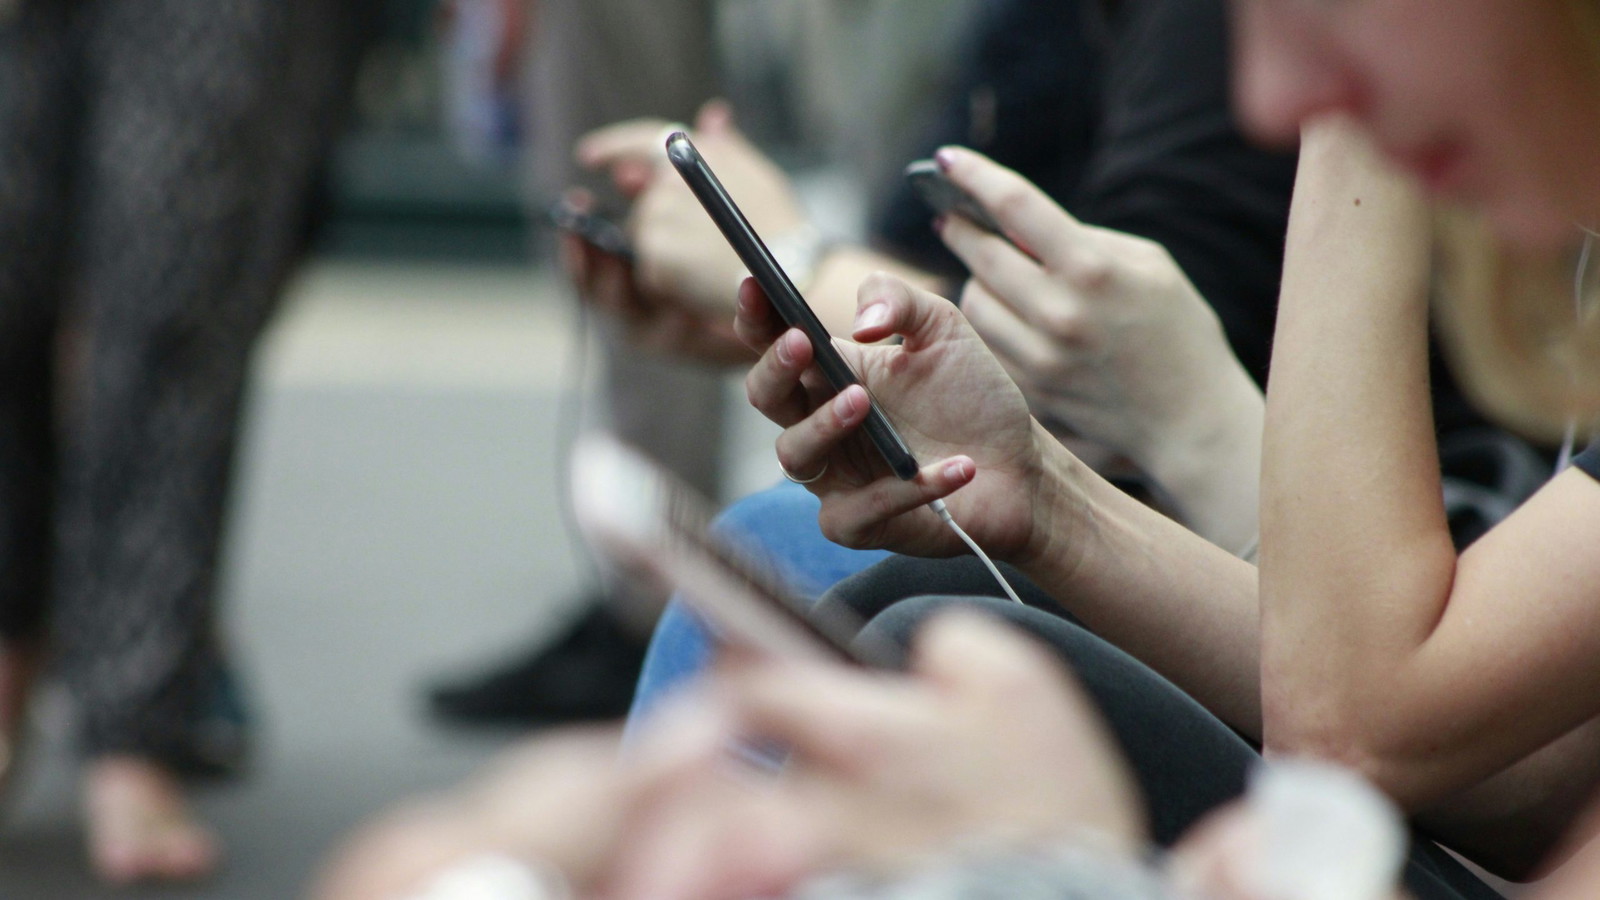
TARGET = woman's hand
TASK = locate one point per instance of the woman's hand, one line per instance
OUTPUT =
(559, 800)
(649, 321)
(961, 416)
(682, 259)
(1107, 337)
(988, 744)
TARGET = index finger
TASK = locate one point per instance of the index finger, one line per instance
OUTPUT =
(1010, 275)
(1028, 215)
(827, 714)
(634, 139)
(756, 322)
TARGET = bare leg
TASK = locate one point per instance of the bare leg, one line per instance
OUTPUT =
(203, 128)
(140, 826)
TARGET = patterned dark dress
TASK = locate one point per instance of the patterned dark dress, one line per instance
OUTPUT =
(156, 158)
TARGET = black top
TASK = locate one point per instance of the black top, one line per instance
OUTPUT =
(1124, 120)
(1589, 460)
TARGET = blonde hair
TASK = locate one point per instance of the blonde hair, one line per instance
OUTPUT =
(1520, 330)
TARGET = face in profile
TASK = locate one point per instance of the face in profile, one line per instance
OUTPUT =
(1495, 103)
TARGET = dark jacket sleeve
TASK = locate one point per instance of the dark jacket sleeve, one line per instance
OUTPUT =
(1125, 120)
(1589, 460)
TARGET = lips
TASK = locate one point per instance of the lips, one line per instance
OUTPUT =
(1441, 166)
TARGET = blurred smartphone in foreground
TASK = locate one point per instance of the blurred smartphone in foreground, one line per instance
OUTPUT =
(657, 532)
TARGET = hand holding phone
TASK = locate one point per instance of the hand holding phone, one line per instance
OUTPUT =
(941, 194)
(593, 228)
(785, 297)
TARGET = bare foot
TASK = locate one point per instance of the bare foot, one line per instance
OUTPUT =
(140, 827)
(19, 665)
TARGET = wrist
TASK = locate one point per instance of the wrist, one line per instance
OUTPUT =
(1061, 514)
(1209, 464)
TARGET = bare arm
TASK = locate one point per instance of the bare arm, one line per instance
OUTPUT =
(1380, 647)
(1179, 603)
(1143, 581)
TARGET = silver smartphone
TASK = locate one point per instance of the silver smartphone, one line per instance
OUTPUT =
(656, 531)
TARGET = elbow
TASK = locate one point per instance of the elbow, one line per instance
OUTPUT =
(1344, 733)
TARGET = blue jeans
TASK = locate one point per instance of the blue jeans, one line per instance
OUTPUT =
(779, 525)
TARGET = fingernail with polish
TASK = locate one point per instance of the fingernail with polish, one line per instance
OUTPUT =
(957, 470)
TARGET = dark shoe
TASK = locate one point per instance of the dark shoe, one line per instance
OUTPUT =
(587, 673)
(218, 744)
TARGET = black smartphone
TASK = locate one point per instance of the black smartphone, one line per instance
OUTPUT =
(785, 297)
(593, 228)
(656, 530)
(939, 192)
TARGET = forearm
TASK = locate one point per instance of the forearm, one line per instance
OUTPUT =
(1513, 822)
(1356, 559)
(1177, 602)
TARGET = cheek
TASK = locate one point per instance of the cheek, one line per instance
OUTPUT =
(1541, 133)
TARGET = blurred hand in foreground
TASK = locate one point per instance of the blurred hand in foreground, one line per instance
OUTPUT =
(682, 258)
(647, 320)
(985, 740)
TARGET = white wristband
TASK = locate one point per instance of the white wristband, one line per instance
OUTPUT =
(798, 251)
(494, 876)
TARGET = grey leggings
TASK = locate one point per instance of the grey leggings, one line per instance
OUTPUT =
(155, 164)
(1187, 761)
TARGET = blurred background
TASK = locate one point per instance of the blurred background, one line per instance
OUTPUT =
(396, 506)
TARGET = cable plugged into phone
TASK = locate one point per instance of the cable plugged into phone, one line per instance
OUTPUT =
(944, 513)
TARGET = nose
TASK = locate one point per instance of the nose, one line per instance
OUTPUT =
(1284, 74)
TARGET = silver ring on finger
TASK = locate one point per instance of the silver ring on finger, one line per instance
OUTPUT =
(791, 476)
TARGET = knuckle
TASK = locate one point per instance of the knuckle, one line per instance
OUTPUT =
(1011, 201)
(1065, 325)
(1093, 273)
(840, 530)
(758, 389)
(880, 505)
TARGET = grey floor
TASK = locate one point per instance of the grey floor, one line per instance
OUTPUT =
(395, 518)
